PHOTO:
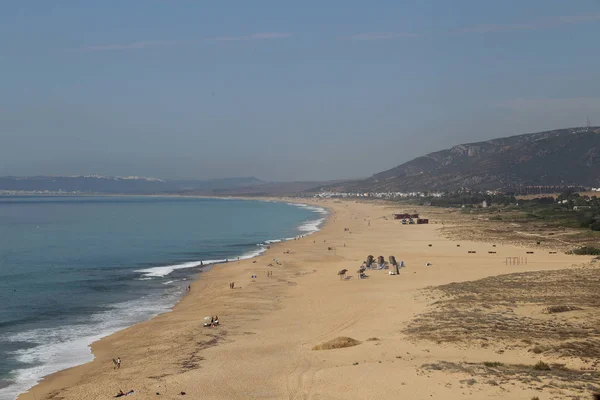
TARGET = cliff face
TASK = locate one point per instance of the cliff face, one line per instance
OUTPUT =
(559, 157)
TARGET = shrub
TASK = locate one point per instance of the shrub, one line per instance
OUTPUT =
(337, 343)
(560, 309)
(541, 366)
(538, 349)
(587, 222)
(493, 364)
(585, 251)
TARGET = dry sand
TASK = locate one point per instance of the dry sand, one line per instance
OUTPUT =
(270, 325)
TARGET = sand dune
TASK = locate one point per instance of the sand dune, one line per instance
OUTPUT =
(270, 325)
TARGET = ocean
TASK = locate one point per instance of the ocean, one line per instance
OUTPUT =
(75, 269)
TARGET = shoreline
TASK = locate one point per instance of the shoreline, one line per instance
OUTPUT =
(320, 217)
(309, 227)
(264, 321)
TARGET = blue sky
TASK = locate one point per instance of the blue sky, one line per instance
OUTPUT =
(281, 90)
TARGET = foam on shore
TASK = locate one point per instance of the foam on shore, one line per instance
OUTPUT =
(307, 228)
(60, 348)
(313, 226)
(56, 349)
(162, 271)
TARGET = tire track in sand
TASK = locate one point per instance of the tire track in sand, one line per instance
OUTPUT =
(300, 382)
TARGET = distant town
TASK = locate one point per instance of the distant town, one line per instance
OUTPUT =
(537, 190)
(541, 190)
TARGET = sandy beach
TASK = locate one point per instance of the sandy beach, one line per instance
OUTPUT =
(409, 347)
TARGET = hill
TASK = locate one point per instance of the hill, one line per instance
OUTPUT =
(560, 157)
(301, 188)
(120, 185)
(134, 185)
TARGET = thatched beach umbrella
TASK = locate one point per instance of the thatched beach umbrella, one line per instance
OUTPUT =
(342, 273)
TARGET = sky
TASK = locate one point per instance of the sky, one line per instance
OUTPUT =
(281, 90)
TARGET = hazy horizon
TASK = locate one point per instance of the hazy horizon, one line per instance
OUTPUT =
(311, 91)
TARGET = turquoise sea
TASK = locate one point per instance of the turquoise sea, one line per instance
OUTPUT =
(75, 269)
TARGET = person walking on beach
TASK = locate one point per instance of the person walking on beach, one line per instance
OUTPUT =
(114, 364)
(118, 362)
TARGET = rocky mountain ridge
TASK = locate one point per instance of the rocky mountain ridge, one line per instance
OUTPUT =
(559, 157)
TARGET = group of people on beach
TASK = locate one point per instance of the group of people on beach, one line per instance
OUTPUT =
(231, 285)
(116, 363)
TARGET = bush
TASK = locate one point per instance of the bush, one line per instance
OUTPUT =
(545, 200)
(541, 366)
(493, 364)
(595, 226)
(585, 251)
(337, 343)
(538, 349)
(587, 222)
